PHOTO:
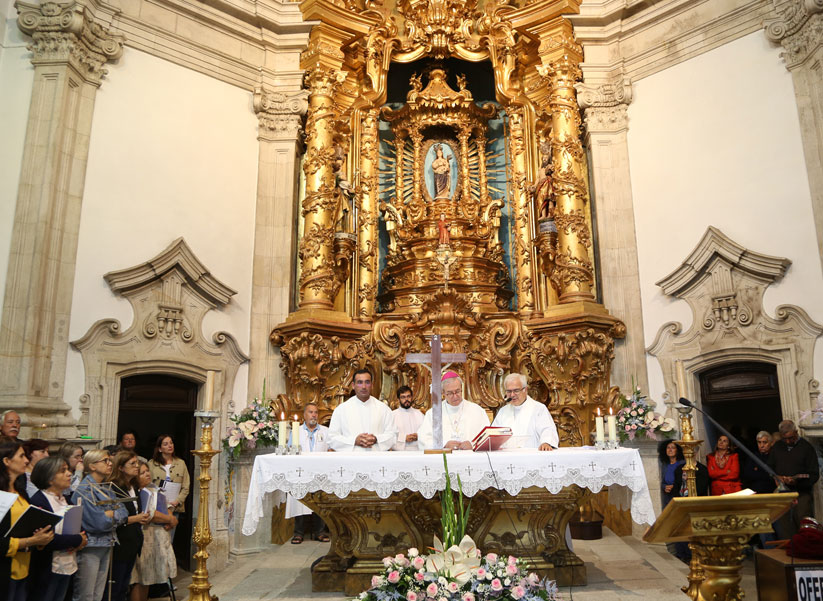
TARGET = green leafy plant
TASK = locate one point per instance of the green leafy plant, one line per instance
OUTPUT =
(453, 520)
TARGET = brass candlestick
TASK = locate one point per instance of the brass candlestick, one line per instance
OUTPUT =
(689, 446)
(200, 586)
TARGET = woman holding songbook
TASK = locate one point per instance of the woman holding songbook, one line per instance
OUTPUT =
(101, 514)
(168, 469)
(129, 534)
(157, 562)
(53, 565)
(15, 553)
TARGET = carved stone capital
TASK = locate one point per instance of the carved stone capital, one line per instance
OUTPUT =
(798, 27)
(69, 33)
(280, 115)
(605, 104)
(606, 119)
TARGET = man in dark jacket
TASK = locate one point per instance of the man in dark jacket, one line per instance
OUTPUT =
(794, 460)
(753, 475)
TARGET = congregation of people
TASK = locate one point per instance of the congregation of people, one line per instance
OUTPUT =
(124, 543)
(728, 470)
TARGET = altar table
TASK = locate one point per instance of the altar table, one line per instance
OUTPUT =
(379, 504)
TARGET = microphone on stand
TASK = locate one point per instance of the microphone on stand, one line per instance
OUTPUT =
(781, 487)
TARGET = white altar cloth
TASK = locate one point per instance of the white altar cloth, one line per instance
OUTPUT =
(392, 471)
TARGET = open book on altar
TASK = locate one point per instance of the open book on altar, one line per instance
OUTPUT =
(491, 438)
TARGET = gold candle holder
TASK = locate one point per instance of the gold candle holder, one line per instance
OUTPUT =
(200, 586)
(689, 446)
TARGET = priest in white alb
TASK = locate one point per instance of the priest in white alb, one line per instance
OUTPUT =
(408, 420)
(462, 420)
(530, 421)
(362, 423)
(314, 438)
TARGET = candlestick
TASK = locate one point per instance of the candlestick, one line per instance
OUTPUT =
(282, 430)
(612, 426)
(598, 424)
(208, 403)
(200, 585)
(681, 380)
(295, 433)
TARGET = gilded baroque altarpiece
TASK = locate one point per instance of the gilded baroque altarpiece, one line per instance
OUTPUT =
(446, 193)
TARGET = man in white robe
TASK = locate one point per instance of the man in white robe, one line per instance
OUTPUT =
(314, 438)
(408, 420)
(362, 423)
(462, 420)
(529, 420)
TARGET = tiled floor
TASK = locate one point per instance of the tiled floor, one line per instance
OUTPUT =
(619, 569)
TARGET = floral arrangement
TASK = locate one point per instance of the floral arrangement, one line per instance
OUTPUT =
(456, 572)
(637, 418)
(459, 573)
(255, 425)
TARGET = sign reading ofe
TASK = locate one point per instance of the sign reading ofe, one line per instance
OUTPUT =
(809, 585)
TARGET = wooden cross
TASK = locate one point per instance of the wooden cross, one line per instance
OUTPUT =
(436, 358)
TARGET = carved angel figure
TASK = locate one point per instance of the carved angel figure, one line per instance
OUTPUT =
(544, 190)
(444, 229)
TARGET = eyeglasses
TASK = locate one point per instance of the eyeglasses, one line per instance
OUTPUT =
(515, 390)
(106, 460)
(452, 392)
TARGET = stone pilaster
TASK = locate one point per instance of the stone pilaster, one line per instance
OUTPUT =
(71, 44)
(280, 116)
(606, 124)
(798, 28)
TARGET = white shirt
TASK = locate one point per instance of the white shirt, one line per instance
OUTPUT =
(62, 562)
(355, 417)
(408, 422)
(530, 419)
(460, 423)
(321, 445)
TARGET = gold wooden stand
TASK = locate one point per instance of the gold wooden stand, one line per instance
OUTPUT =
(716, 527)
(200, 586)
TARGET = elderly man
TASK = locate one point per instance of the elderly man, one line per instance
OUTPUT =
(10, 426)
(795, 462)
(362, 423)
(752, 475)
(314, 438)
(529, 420)
(462, 420)
(408, 420)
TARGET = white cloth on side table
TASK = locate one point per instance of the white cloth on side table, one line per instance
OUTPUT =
(318, 443)
(355, 417)
(408, 422)
(532, 420)
(460, 423)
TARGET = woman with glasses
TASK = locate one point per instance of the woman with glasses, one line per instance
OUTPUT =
(15, 553)
(123, 477)
(101, 515)
(166, 466)
(53, 565)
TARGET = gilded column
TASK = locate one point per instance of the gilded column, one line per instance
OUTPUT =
(280, 121)
(71, 44)
(319, 205)
(480, 138)
(606, 120)
(573, 276)
(417, 141)
(465, 181)
(367, 215)
(522, 224)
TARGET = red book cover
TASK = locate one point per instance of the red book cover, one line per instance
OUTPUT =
(491, 438)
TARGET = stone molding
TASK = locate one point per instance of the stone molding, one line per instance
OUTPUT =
(170, 295)
(280, 115)
(70, 33)
(798, 28)
(724, 283)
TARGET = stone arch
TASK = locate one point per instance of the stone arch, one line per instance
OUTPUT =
(169, 294)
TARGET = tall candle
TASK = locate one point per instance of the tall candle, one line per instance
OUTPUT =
(282, 430)
(208, 403)
(598, 424)
(612, 426)
(681, 380)
(295, 432)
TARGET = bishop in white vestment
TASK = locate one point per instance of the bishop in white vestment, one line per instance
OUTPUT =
(408, 420)
(362, 423)
(529, 420)
(462, 420)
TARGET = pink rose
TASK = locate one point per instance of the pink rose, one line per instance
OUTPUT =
(387, 561)
(468, 597)
(375, 581)
(533, 579)
(452, 587)
(491, 557)
(511, 570)
(481, 572)
(518, 592)
(411, 596)
(394, 576)
(497, 585)
(418, 563)
(419, 576)
(431, 590)
(512, 560)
